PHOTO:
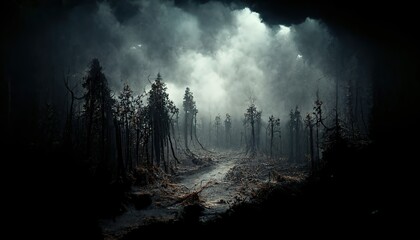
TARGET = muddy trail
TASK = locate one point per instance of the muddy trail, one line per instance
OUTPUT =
(208, 184)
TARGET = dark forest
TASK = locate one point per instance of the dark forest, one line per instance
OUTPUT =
(127, 119)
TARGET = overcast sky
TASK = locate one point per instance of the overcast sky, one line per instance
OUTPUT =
(224, 53)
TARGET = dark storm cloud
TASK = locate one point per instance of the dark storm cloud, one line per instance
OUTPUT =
(223, 52)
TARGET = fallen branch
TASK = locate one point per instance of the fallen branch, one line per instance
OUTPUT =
(192, 197)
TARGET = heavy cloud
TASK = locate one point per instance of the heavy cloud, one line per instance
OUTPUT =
(224, 53)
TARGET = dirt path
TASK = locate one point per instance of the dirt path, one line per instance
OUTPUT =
(230, 176)
(223, 163)
(218, 191)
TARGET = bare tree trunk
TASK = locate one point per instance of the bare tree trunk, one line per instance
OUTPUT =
(152, 145)
(271, 140)
(69, 122)
(162, 148)
(146, 146)
(317, 144)
(186, 130)
(172, 149)
(297, 144)
(89, 132)
(120, 161)
(311, 143)
(242, 135)
(127, 147)
(280, 146)
(191, 127)
(156, 133)
(174, 134)
(252, 136)
(217, 135)
(167, 152)
(102, 126)
(210, 143)
(195, 133)
(291, 133)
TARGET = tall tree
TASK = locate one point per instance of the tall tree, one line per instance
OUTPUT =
(298, 126)
(291, 135)
(251, 117)
(228, 127)
(318, 121)
(258, 124)
(217, 123)
(141, 127)
(126, 112)
(97, 110)
(68, 134)
(295, 126)
(190, 112)
(310, 123)
(273, 126)
(161, 110)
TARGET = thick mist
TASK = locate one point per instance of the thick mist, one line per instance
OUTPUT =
(224, 53)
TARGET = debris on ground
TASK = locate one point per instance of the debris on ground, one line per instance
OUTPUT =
(206, 185)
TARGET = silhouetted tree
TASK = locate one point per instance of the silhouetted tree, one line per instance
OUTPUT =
(319, 121)
(141, 127)
(160, 111)
(309, 122)
(298, 128)
(189, 113)
(126, 111)
(68, 130)
(295, 126)
(217, 123)
(228, 127)
(251, 117)
(258, 125)
(97, 111)
(273, 127)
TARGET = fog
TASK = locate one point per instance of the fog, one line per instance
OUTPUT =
(224, 53)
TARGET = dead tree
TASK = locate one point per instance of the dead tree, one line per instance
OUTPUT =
(251, 117)
(190, 111)
(228, 126)
(310, 123)
(68, 135)
(217, 123)
(273, 127)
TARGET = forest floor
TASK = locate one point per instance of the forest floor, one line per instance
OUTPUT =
(205, 185)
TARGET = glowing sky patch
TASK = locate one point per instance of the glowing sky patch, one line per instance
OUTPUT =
(221, 53)
(284, 30)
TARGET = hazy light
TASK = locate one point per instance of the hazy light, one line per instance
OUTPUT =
(175, 93)
(299, 56)
(284, 30)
